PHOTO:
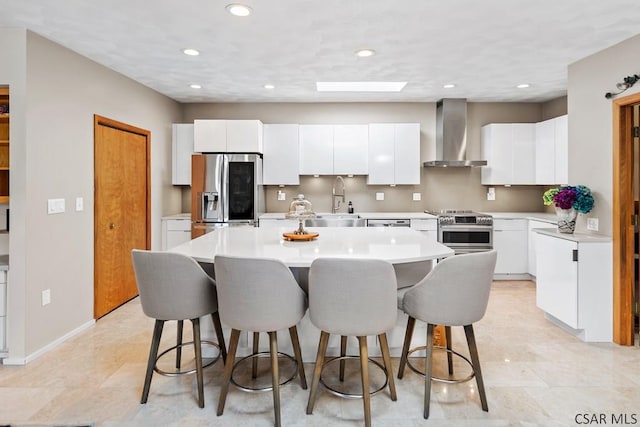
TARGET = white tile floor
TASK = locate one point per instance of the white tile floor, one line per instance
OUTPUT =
(535, 374)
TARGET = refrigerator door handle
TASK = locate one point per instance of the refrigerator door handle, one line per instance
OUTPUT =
(224, 188)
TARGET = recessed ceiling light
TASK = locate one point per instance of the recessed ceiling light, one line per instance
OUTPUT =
(238, 9)
(449, 86)
(195, 86)
(363, 53)
(268, 86)
(360, 86)
(523, 85)
(191, 52)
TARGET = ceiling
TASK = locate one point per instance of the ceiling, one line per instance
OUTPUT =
(485, 47)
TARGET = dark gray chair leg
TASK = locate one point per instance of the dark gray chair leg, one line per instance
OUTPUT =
(228, 369)
(197, 344)
(179, 344)
(322, 349)
(427, 376)
(473, 352)
(275, 375)
(343, 352)
(447, 337)
(254, 361)
(293, 333)
(411, 323)
(151, 363)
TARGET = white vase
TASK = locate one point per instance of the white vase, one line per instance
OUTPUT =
(566, 220)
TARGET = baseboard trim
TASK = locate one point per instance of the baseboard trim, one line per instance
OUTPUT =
(47, 348)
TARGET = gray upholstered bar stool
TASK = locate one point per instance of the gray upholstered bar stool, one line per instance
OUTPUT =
(352, 297)
(454, 293)
(174, 287)
(259, 295)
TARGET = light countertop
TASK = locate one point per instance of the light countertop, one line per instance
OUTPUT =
(537, 216)
(575, 237)
(394, 244)
(365, 215)
(178, 216)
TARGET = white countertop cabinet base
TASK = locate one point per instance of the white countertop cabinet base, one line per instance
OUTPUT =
(510, 241)
(182, 150)
(574, 285)
(175, 232)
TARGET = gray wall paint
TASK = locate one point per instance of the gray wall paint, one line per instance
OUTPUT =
(554, 108)
(590, 123)
(440, 188)
(54, 159)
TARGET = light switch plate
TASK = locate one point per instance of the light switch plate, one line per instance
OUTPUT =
(592, 224)
(379, 196)
(55, 206)
(46, 297)
(417, 197)
(79, 204)
(282, 195)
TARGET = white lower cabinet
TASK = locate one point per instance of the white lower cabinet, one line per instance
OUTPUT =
(277, 222)
(175, 232)
(574, 283)
(510, 241)
(428, 227)
(532, 236)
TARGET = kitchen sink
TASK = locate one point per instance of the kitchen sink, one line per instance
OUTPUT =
(336, 220)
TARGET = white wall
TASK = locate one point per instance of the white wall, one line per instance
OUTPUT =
(590, 123)
(55, 160)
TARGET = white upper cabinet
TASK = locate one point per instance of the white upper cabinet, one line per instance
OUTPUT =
(316, 150)
(350, 146)
(394, 153)
(232, 136)
(333, 149)
(509, 149)
(552, 151)
(281, 155)
(182, 149)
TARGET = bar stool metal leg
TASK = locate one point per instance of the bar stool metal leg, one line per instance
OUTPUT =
(179, 343)
(198, 351)
(411, 323)
(315, 381)
(275, 375)
(228, 369)
(473, 352)
(427, 377)
(364, 373)
(153, 354)
(386, 358)
(293, 333)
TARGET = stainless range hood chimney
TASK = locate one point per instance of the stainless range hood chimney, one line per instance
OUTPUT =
(451, 135)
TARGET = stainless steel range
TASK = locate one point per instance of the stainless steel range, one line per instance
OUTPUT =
(465, 231)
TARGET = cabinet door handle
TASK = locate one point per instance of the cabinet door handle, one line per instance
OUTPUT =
(112, 226)
(575, 255)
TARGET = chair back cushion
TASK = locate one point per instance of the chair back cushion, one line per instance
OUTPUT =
(455, 292)
(258, 294)
(173, 286)
(352, 296)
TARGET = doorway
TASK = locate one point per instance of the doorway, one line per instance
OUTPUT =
(121, 209)
(626, 191)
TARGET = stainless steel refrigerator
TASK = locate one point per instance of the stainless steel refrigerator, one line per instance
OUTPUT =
(226, 190)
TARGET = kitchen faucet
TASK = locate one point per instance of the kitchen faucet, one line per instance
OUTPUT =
(337, 195)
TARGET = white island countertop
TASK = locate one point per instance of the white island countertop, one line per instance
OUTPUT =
(394, 244)
(365, 215)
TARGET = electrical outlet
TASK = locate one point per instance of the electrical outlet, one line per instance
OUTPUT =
(55, 206)
(491, 193)
(282, 195)
(46, 297)
(417, 197)
(592, 224)
(379, 196)
(79, 204)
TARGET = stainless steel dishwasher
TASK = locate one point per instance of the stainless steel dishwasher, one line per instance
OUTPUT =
(388, 223)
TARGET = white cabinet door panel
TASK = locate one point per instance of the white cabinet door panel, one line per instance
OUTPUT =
(350, 147)
(244, 136)
(557, 282)
(209, 136)
(182, 150)
(523, 153)
(407, 153)
(510, 241)
(281, 156)
(561, 150)
(381, 154)
(545, 152)
(497, 150)
(316, 150)
(532, 242)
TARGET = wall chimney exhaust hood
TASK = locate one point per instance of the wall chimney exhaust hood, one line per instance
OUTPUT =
(451, 135)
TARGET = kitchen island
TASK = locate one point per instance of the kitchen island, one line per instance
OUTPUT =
(396, 245)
